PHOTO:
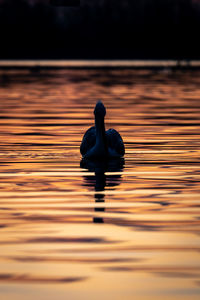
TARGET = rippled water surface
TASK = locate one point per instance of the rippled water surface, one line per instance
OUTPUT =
(72, 230)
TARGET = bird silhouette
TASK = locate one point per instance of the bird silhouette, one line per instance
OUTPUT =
(98, 143)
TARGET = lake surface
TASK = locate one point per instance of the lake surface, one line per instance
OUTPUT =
(74, 230)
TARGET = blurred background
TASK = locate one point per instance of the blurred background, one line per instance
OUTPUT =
(99, 29)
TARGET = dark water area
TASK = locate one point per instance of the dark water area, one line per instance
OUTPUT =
(80, 230)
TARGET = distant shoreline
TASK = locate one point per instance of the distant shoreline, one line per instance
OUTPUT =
(99, 64)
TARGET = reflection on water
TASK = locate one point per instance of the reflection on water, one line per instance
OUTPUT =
(99, 179)
(82, 230)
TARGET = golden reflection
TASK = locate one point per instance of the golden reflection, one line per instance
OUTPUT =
(113, 230)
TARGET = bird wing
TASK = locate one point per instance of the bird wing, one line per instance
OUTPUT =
(89, 140)
(115, 141)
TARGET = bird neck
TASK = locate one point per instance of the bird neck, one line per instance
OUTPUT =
(100, 130)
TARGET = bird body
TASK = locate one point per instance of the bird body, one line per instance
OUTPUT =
(98, 143)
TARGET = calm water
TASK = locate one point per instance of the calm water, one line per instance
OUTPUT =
(70, 230)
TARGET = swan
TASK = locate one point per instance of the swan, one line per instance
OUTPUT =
(98, 143)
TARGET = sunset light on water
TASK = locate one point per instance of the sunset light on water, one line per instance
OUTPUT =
(75, 231)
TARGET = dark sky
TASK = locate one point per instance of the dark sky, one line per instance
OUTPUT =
(100, 29)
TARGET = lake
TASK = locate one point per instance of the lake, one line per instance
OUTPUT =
(81, 230)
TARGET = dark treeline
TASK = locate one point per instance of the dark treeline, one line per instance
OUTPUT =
(100, 29)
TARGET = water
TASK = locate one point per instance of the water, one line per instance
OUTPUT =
(75, 231)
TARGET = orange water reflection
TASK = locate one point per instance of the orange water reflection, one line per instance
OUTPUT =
(79, 232)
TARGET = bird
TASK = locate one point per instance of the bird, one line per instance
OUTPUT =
(97, 143)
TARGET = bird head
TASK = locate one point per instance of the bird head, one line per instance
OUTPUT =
(100, 110)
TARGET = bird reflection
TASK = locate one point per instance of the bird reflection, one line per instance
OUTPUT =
(100, 180)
